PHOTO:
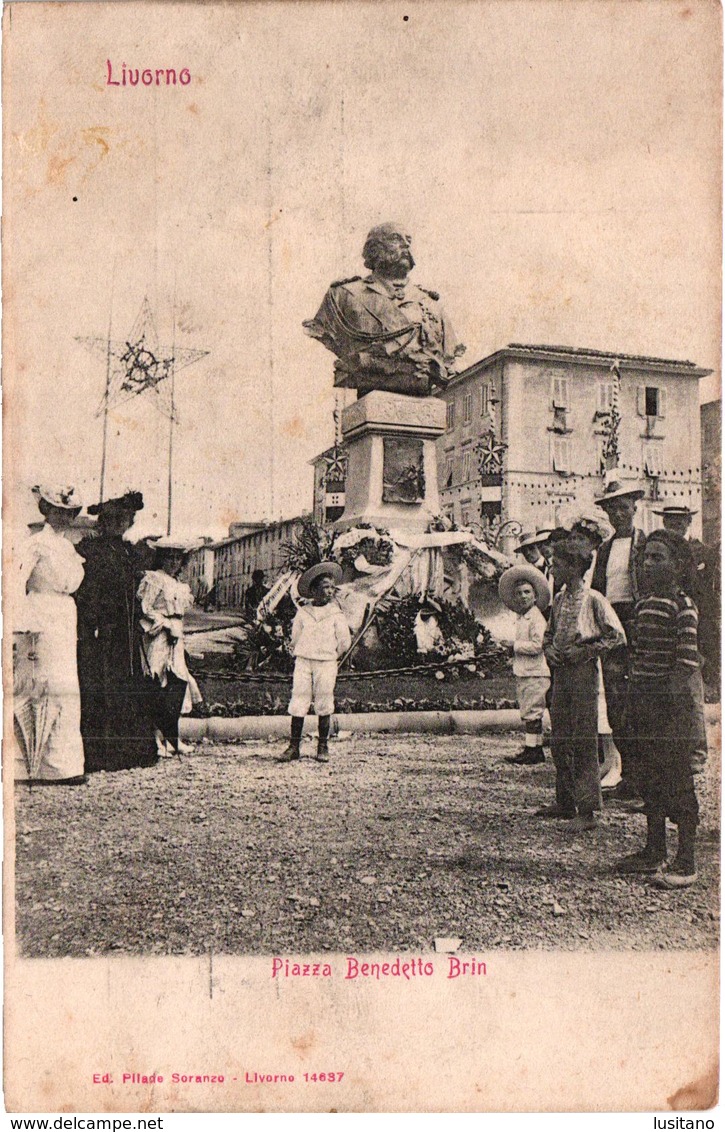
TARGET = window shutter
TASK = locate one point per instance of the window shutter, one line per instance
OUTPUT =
(662, 406)
(641, 401)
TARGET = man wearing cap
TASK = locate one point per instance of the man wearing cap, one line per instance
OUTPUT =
(320, 636)
(387, 332)
(618, 576)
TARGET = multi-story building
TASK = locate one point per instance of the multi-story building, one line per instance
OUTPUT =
(237, 557)
(711, 435)
(529, 427)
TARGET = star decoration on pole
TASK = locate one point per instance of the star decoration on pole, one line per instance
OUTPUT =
(139, 365)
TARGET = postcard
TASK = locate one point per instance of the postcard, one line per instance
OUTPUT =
(362, 536)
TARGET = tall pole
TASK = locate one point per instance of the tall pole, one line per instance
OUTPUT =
(171, 418)
(107, 396)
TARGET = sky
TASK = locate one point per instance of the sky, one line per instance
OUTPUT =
(558, 166)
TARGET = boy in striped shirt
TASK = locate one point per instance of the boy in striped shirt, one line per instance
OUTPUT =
(661, 705)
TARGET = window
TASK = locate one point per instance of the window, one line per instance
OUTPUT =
(448, 473)
(653, 459)
(450, 415)
(651, 400)
(560, 392)
(466, 465)
(561, 456)
(485, 399)
(606, 396)
(467, 408)
(465, 515)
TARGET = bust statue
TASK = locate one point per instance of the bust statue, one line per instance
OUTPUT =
(387, 332)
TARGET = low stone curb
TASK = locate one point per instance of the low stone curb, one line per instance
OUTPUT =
(224, 730)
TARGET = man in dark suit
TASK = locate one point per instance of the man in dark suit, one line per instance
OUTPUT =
(618, 575)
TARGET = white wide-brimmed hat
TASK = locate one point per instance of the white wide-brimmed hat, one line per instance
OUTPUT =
(65, 498)
(674, 509)
(618, 490)
(532, 539)
(321, 570)
(515, 574)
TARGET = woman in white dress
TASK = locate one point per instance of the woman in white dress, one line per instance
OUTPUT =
(49, 571)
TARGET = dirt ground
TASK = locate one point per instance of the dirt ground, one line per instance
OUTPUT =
(397, 840)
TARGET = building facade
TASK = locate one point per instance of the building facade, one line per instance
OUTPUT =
(711, 435)
(529, 434)
(237, 557)
(198, 570)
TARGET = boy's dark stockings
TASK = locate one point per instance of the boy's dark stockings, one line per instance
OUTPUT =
(323, 734)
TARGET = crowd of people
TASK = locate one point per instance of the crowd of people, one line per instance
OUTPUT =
(107, 658)
(609, 637)
(611, 628)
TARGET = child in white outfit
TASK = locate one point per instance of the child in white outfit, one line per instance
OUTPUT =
(524, 589)
(320, 636)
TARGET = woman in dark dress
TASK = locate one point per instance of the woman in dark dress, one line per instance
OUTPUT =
(116, 723)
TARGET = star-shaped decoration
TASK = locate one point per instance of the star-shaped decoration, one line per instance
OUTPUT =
(490, 455)
(138, 364)
(335, 467)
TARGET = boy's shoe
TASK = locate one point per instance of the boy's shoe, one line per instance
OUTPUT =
(323, 755)
(529, 756)
(288, 756)
(642, 862)
(555, 811)
(677, 875)
(582, 823)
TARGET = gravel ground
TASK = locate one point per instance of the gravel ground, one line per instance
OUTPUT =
(397, 840)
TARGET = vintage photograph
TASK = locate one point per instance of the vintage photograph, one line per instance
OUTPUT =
(362, 543)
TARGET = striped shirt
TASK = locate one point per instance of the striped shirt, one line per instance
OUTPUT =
(665, 637)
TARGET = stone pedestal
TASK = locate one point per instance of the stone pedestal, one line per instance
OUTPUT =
(392, 478)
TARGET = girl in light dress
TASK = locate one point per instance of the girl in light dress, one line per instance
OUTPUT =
(47, 705)
(164, 601)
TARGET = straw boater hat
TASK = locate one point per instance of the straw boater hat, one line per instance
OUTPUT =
(617, 490)
(531, 539)
(64, 498)
(674, 509)
(321, 570)
(515, 574)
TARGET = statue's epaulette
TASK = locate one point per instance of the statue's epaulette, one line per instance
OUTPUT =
(433, 294)
(342, 282)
